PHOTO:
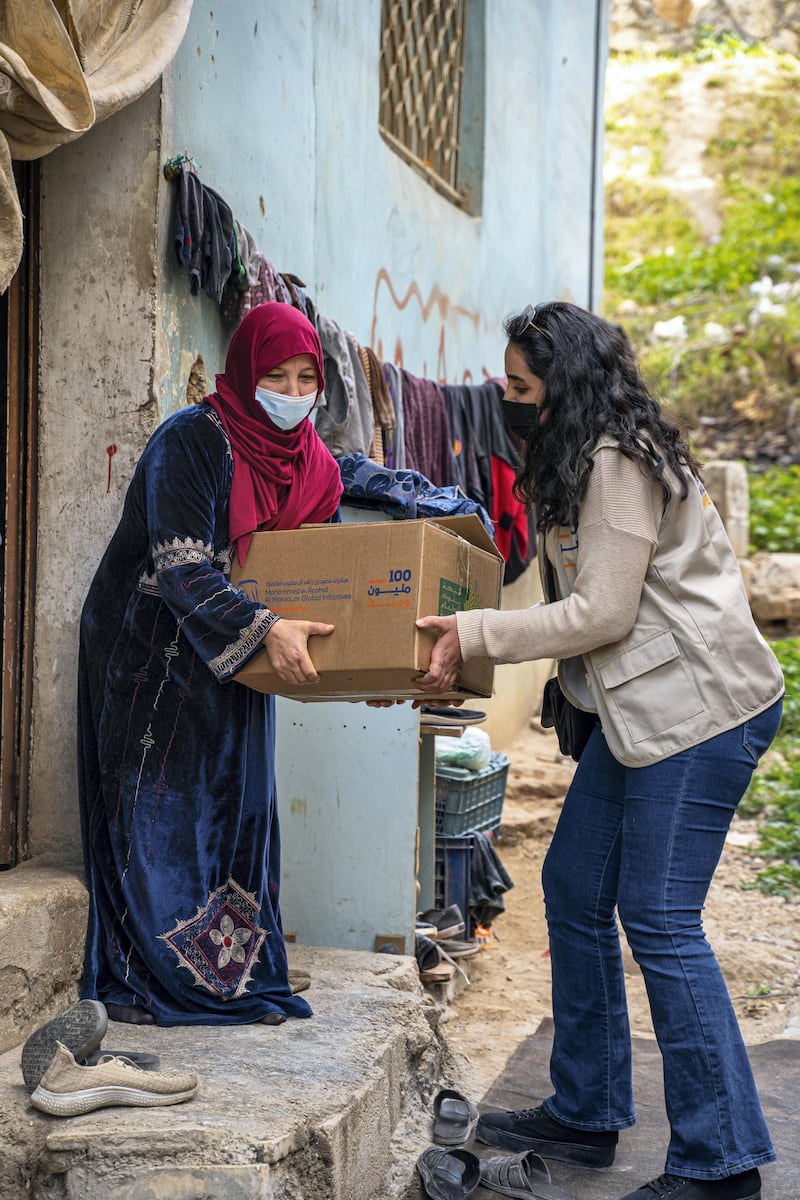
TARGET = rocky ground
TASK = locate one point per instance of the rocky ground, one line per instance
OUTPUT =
(756, 937)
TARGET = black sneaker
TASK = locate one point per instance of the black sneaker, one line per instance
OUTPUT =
(746, 1186)
(534, 1129)
(81, 1028)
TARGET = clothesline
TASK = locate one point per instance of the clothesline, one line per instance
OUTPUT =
(415, 433)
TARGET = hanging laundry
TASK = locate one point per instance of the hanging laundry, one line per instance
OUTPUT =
(217, 244)
(188, 223)
(344, 421)
(395, 445)
(402, 495)
(379, 390)
(248, 253)
(427, 430)
(269, 286)
(298, 296)
(479, 433)
(515, 527)
(516, 562)
(486, 458)
(382, 407)
(237, 281)
(471, 459)
(489, 880)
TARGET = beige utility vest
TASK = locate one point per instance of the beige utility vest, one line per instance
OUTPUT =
(694, 664)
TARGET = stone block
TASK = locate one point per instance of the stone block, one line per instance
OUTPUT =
(773, 587)
(728, 487)
(42, 928)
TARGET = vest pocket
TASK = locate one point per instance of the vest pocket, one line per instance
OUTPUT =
(649, 686)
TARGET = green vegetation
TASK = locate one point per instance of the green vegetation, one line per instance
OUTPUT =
(775, 511)
(660, 263)
(711, 44)
(729, 363)
(774, 795)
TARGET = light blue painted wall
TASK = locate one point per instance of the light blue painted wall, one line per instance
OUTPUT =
(278, 103)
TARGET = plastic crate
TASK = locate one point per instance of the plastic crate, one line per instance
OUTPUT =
(471, 801)
(452, 869)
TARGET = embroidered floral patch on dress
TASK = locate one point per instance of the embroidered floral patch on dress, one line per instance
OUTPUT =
(220, 944)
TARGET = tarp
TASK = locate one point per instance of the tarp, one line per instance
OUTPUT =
(64, 66)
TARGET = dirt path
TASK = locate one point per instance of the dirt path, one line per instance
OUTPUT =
(690, 119)
(756, 937)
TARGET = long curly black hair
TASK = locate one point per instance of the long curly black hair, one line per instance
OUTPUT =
(592, 387)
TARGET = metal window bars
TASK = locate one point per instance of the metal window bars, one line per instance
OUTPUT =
(421, 74)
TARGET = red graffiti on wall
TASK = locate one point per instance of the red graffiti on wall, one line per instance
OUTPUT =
(110, 451)
(438, 303)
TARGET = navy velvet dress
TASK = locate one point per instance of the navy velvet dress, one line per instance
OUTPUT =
(176, 760)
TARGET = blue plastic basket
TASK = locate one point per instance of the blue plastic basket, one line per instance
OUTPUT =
(471, 801)
(452, 869)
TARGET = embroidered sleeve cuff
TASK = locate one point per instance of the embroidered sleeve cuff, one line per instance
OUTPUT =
(180, 551)
(237, 653)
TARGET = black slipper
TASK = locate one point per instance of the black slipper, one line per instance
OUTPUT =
(520, 1176)
(426, 952)
(448, 1174)
(145, 1062)
(132, 1014)
(80, 1029)
(451, 716)
(455, 1118)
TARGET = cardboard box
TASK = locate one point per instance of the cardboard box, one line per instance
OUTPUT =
(371, 581)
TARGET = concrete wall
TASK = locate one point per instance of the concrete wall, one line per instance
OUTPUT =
(98, 283)
(278, 104)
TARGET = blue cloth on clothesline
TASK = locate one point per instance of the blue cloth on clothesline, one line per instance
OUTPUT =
(403, 495)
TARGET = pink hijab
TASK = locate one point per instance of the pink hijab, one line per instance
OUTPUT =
(281, 479)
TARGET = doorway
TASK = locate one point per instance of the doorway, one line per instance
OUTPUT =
(19, 356)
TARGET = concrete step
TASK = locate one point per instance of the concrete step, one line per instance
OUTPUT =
(332, 1108)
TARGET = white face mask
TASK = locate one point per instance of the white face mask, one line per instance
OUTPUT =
(285, 411)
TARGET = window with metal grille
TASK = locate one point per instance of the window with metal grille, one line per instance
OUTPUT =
(432, 92)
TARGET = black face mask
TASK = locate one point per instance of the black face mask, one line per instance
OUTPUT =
(521, 419)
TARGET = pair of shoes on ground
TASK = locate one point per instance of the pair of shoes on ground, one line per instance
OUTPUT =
(441, 922)
(67, 1073)
(456, 1174)
(535, 1130)
(80, 1029)
(67, 1089)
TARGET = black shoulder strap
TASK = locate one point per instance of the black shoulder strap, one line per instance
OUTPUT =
(550, 580)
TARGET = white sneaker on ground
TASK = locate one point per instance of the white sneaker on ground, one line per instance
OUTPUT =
(67, 1089)
(80, 1028)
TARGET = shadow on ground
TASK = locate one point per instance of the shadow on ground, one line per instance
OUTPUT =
(525, 1081)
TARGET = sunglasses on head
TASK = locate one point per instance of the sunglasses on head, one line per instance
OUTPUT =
(528, 315)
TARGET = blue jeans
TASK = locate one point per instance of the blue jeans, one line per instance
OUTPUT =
(644, 842)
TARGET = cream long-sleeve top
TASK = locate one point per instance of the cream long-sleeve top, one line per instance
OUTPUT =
(618, 524)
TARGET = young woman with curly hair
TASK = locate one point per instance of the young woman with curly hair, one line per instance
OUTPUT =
(649, 620)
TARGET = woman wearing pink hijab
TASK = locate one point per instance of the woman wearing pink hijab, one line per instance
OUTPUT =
(176, 764)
